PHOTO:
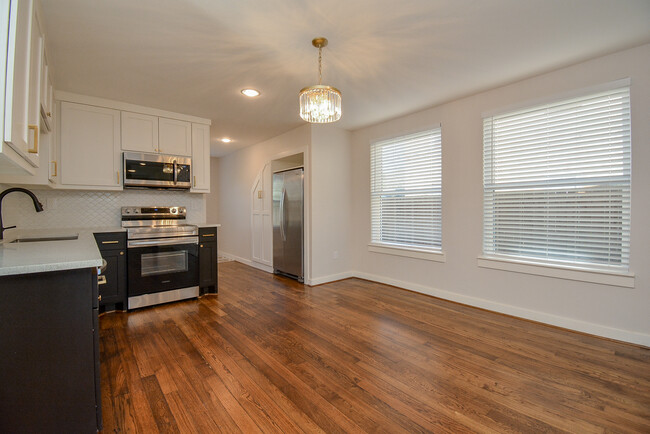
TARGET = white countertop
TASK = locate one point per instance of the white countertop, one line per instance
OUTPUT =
(44, 256)
(209, 225)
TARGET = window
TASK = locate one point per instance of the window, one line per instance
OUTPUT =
(556, 182)
(405, 189)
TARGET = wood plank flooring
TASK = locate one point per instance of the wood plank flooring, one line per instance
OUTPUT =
(270, 355)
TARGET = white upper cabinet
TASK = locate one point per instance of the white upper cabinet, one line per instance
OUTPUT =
(34, 102)
(89, 147)
(18, 15)
(25, 148)
(147, 133)
(175, 137)
(92, 133)
(139, 132)
(47, 94)
(200, 158)
(53, 160)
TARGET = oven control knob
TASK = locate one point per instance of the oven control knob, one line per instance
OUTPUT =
(127, 211)
(135, 210)
(174, 210)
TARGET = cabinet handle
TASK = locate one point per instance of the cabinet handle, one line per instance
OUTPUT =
(122, 253)
(194, 181)
(207, 235)
(118, 177)
(49, 114)
(55, 168)
(110, 242)
(35, 149)
(101, 280)
(201, 246)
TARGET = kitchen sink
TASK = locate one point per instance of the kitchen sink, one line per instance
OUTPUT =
(39, 239)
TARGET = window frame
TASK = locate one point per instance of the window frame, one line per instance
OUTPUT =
(435, 254)
(583, 271)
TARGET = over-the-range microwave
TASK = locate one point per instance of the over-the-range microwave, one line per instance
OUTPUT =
(157, 171)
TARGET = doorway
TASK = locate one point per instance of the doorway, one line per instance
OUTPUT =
(262, 210)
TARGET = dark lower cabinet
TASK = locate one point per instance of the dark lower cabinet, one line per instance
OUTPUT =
(113, 281)
(49, 361)
(208, 260)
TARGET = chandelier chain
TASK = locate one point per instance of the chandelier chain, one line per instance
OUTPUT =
(320, 65)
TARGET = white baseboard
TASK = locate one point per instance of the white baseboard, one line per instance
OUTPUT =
(262, 267)
(556, 320)
(332, 278)
(248, 262)
(543, 317)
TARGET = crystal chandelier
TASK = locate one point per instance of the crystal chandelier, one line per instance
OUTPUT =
(320, 104)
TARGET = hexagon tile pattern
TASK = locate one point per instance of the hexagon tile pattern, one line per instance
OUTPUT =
(88, 209)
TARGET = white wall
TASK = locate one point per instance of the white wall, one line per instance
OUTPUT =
(331, 203)
(212, 199)
(617, 312)
(327, 153)
(236, 174)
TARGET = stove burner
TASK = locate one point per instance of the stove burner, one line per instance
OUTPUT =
(157, 222)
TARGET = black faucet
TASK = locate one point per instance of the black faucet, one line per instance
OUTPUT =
(37, 205)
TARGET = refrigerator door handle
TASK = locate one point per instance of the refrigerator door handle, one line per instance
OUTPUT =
(282, 232)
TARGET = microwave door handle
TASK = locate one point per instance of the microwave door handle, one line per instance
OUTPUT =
(175, 173)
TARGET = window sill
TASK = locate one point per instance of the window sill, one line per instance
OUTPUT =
(427, 255)
(570, 273)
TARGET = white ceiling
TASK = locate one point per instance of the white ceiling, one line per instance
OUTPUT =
(387, 57)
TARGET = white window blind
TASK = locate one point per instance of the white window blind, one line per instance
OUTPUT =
(557, 181)
(406, 190)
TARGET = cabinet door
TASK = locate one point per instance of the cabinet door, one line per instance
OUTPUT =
(207, 265)
(48, 365)
(53, 166)
(114, 290)
(16, 120)
(139, 132)
(34, 102)
(200, 158)
(46, 93)
(89, 141)
(50, 97)
(174, 137)
(43, 84)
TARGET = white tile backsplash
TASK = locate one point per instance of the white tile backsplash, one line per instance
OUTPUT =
(85, 209)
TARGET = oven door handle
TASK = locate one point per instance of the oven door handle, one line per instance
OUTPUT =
(175, 173)
(163, 242)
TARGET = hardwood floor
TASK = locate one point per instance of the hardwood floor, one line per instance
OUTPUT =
(270, 355)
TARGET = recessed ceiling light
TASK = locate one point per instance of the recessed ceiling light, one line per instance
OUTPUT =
(250, 92)
(226, 140)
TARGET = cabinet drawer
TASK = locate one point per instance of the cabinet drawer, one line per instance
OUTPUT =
(111, 240)
(208, 234)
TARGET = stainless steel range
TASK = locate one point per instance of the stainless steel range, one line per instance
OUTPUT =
(162, 255)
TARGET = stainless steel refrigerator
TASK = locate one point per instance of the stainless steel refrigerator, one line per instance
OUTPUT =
(288, 223)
